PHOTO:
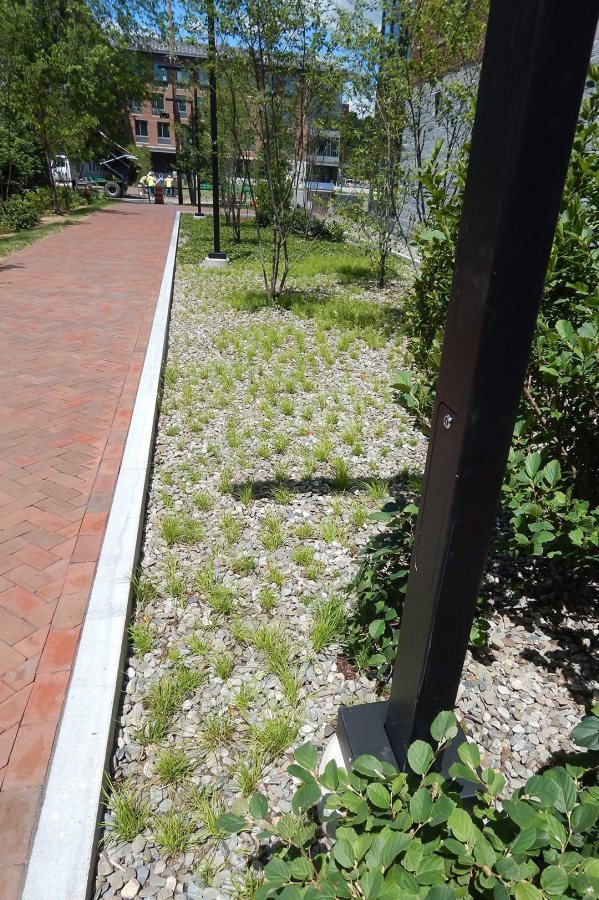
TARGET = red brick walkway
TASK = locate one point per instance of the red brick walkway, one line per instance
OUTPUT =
(75, 315)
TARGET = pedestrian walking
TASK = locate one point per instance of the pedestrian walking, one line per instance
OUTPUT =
(168, 184)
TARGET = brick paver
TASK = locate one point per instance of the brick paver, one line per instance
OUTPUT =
(75, 315)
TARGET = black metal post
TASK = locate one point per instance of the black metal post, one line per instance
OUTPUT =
(173, 79)
(216, 253)
(196, 144)
(532, 81)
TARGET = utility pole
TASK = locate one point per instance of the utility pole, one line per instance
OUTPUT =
(173, 80)
(215, 256)
(531, 86)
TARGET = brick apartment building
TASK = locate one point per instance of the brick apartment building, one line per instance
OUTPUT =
(151, 122)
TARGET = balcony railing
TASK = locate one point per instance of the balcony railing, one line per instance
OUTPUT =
(164, 140)
(142, 139)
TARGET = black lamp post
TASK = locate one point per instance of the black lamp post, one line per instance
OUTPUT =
(196, 142)
(532, 81)
(215, 254)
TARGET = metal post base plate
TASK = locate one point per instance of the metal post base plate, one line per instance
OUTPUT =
(215, 261)
(361, 730)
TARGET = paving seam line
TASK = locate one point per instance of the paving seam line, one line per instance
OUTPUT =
(63, 851)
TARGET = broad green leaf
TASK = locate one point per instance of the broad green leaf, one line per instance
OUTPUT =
(420, 757)
(300, 869)
(524, 840)
(554, 881)
(343, 852)
(586, 733)
(444, 727)
(532, 463)
(330, 777)
(376, 629)
(291, 892)
(305, 797)
(230, 823)
(566, 799)
(368, 765)
(258, 806)
(463, 827)
(371, 883)
(584, 817)
(421, 805)
(378, 795)
(527, 891)
(442, 810)
(301, 773)
(306, 756)
(543, 790)
(395, 843)
(277, 871)
(469, 754)
(441, 892)
(431, 870)
(552, 472)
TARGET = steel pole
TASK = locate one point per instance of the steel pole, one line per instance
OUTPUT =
(531, 86)
(216, 253)
(196, 142)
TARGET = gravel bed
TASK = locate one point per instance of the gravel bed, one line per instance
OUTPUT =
(266, 416)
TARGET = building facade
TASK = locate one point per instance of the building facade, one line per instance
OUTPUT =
(151, 123)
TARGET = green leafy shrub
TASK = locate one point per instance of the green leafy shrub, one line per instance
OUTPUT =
(42, 200)
(409, 835)
(19, 213)
(379, 590)
(551, 490)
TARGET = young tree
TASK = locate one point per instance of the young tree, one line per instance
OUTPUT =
(283, 48)
(71, 73)
(412, 80)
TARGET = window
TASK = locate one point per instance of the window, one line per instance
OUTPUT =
(135, 106)
(182, 106)
(182, 76)
(160, 74)
(141, 131)
(157, 104)
(164, 133)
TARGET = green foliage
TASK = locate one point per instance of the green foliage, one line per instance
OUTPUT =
(403, 836)
(379, 589)
(19, 213)
(550, 489)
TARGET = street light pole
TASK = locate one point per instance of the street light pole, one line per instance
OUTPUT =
(216, 256)
(531, 86)
(196, 143)
(173, 80)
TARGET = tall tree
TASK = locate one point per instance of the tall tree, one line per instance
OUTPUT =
(71, 73)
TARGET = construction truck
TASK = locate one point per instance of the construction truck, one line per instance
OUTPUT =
(113, 175)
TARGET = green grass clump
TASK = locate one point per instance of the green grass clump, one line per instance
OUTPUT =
(130, 813)
(341, 478)
(223, 665)
(274, 645)
(248, 771)
(329, 622)
(173, 831)
(172, 766)
(271, 534)
(165, 698)
(275, 732)
(144, 589)
(142, 637)
(181, 529)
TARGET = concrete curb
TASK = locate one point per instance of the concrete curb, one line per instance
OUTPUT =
(63, 851)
